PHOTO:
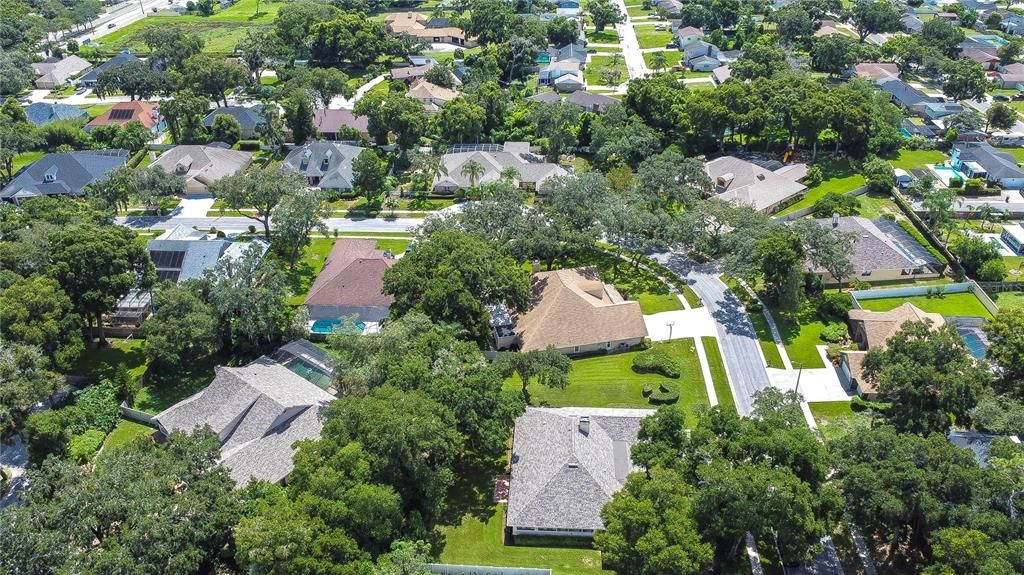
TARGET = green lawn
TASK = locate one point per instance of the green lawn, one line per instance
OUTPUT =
(126, 431)
(764, 337)
(162, 390)
(96, 109)
(300, 278)
(639, 10)
(25, 158)
(592, 74)
(875, 205)
(1017, 153)
(963, 304)
(478, 540)
(672, 58)
(915, 159)
(396, 246)
(1009, 300)
(648, 37)
(95, 363)
(657, 303)
(801, 332)
(691, 297)
(718, 376)
(606, 36)
(837, 418)
(839, 177)
(609, 381)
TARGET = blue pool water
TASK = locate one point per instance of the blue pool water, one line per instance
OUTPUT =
(332, 325)
(975, 344)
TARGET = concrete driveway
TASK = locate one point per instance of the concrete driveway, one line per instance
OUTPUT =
(741, 351)
(680, 323)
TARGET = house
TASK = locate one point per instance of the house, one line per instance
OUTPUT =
(575, 52)
(41, 113)
(688, 35)
(882, 251)
(979, 443)
(986, 56)
(568, 4)
(569, 83)
(751, 184)
(340, 124)
(912, 129)
(410, 74)
(121, 113)
(904, 94)
(419, 26)
(56, 74)
(557, 69)
(1013, 236)
(567, 462)
(183, 253)
(248, 117)
(589, 101)
(703, 55)
(670, 8)
(351, 284)
(950, 17)
(63, 174)
(125, 56)
(258, 413)
(872, 329)
(1011, 76)
(939, 110)
(981, 160)
(826, 30)
(704, 64)
(912, 23)
(326, 165)
(201, 166)
(532, 170)
(575, 312)
(720, 74)
(431, 95)
(875, 71)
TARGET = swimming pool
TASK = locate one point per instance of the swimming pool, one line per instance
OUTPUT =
(334, 326)
(945, 173)
(973, 338)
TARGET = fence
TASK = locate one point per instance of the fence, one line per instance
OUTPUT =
(925, 290)
(1000, 287)
(445, 569)
(908, 210)
(808, 210)
(137, 416)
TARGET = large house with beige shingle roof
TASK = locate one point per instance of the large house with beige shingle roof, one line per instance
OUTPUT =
(431, 95)
(350, 284)
(201, 166)
(575, 312)
(532, 171)
(765, 188)
(882, 251)
(431, 30)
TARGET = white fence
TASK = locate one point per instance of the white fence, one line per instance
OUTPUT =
(924, 290)
(445, 569)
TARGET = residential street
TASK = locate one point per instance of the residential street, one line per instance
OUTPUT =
(740, 349)
(241, 224)
(630, 46)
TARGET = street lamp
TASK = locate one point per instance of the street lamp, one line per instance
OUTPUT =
(670, 323)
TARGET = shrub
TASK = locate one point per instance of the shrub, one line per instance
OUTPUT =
(834, 332)
(956, 182)
(813, 177)
(46, 433)
(252, 229)
(860, 285)
(655, 360)
(97, 407)
(974, 186)
(836, 203)
(992, 271)
(835, 305)
(82, 447)
(667, 392)
(648, 389)
(249, 145)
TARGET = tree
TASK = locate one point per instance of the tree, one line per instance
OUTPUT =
(928, 375)
(793, 24)
(833, 54)
(460, 120)
(1000, 116)
(249, 298)
(207, 74)
(1010, 52)
(295, 20)
(452, 277)
(964, 80)
(836, 203)
(1006, 349)
(133, 136)
(15, 71)
(562, 31)
(393, 113)
(650, 528)
(974, 252)
(135, 79)
(298, 116)
(257, 47)
(966, 121)
(184, 114)
(298, 215)
(156, 507)
(875, 17)
(97, 266)
(878, 175)
(183, 328)
(548, 367)
(557, 124)
(760, 59)
(350, 38)
(324, 84)
(780, 257)
(259, 189)
(603, 13)
(17, 137)
(942, 35)
(473, 171)
(170, 47)
(25, 380)
(370, 173)
(225, 128)
(827, 249)
(35, 311)
(271, 129)
(659, 62)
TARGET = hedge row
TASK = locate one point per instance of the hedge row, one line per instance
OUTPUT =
(656, 360)
(666, 392)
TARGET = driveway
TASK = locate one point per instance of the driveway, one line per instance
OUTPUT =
(740, 349)
(680, 323)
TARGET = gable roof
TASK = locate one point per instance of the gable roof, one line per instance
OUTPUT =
(880, 244)
(747, 183)
(205, 164)
(248, 117)
(532, 169)
(563, 475)
(123, 57)
(123, 112)
(999, 165)
(182, 253)
(41, 113)
(353, 275)
(902, 92)
(60, 71)
(689, 31)
(329, 161)
(576, 51)
(258, 412)
(331, 121)
(66, 173)
(877, 70)
(573, 307)
(424, 90)
(590, 101)
(879, 326)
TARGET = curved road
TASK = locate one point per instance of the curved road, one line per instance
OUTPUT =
(740, 348)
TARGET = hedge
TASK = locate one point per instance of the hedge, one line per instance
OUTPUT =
(656, 360)
(667, 392)
(82, 447)
(249, 145)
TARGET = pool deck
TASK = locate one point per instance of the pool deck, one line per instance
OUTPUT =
(943, 173)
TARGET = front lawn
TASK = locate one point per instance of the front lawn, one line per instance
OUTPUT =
(639, 10)
(672, 58)
(479, 540)
(801, 332)
(648, 37)
(836, 419)
(396, 246)
(592, 74)
(606, 36)
(609, 381)
(719, 378)
(953, 304)
(657, 303)
(838, 176)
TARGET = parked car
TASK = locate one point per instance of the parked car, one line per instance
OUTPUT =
(1018, 97)
(671, 45)
(81, 90)
(111, 25)
(1000, 98)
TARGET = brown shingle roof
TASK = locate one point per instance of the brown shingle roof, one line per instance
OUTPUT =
(123, 112)
(879, 326)
(352, 275)
(573, 307)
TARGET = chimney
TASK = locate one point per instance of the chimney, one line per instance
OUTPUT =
(535, 266)
(835, 220)
(584, 424)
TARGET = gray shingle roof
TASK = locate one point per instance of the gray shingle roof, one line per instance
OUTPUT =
(123, 57)
(903, 93)
(248, 117)
(562, 477)
(198, 254)
(41, 113)
(205, 164)
(881, 244)
(998, 165)
(66, 173)
(258, 412)
(329, 161)
(747, 183)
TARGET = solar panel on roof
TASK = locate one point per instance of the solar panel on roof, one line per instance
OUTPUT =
(120, 114)
(167, 275)
(167, 259)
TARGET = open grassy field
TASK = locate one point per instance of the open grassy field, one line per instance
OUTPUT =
(964, 304)
(648, 37)
(657, 303)
(592, 73)
(718, 376)
(606, 36)
(609, 381)
(915, 159)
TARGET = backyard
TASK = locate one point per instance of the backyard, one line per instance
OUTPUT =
(837, 176)
(1009, 300)
(915, 159)
(954, 304)
(302, 276)
(96, 362)
(609, 381)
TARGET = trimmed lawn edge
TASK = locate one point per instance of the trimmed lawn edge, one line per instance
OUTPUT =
(719, 379)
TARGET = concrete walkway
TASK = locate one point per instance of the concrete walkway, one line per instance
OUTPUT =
(349, 103)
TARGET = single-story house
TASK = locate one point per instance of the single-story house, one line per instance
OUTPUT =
(911, 129)
(589, 101)
(557, 69)
(670, 8)
(979, 443)
(63, 174)
(350, 284)
(875, 71)
(533, 170)
(409, 74)
(431, 95)
(567, 462)
(985, 56)
(762, 188)
(1011, 76)
(707, 55)
(41, 113)
(419, 26)
(882, 251)
(183, 253)
(326, 165)
(720, 74)
(688, 35)
(575, 52)
(58, 73)
(258, 413)
(1013, 236)
(911, 23)
(904, 94)
(871, 329)
(575, 312)
(125, 56)
(147, 114)
(981, 160)
(704, 64)
(569, 83)
(202, 165)
(331, 124)
(939, 110)
(248, 117)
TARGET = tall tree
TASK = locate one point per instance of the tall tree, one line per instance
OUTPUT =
(298, 116)
(211, 75)
(183, 329)
(261, 190)
(371, 174)
(25, 380)
(603, 13)
(1006, 348)
(297, 216)
(875, 17)
(964, 80)
(248, 296)
(35, 311)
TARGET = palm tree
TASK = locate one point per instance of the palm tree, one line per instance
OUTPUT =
(658, 61)
(511, 174)
(985, 212)
(474, 171)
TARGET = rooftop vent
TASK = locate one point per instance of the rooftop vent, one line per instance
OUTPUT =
(584, 424)
(724, 180)
(835, 220)
(51, 175)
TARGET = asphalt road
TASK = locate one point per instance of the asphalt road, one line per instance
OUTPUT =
(740, 348)
(241, 224)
